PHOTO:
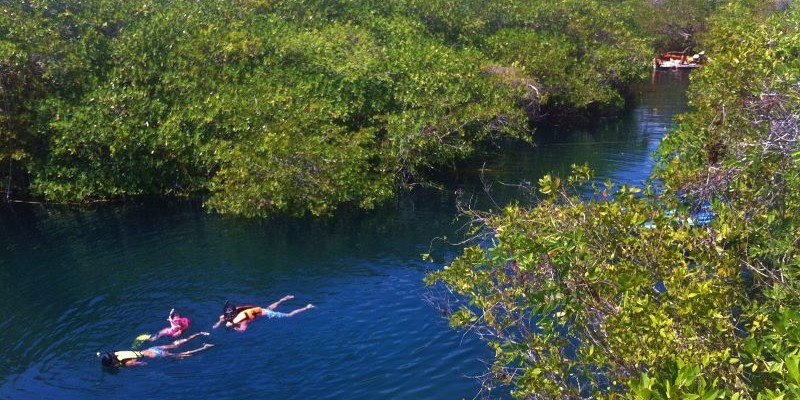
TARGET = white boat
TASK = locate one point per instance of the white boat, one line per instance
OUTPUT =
(677, 60)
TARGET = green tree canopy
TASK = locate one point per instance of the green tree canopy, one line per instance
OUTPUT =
(296, 107)
(631, 294)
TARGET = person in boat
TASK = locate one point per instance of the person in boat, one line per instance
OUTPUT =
(130, 358)
(177, 325)
(238, 317)
(657, 62)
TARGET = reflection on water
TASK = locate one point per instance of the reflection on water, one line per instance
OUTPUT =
(78, 281)
(619, 150)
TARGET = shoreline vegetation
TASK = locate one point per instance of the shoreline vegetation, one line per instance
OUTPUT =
(622, 296)
(299, 108)
(266, 108)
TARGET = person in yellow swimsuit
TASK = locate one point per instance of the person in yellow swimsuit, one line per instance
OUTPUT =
(130, 358)
(238, 317)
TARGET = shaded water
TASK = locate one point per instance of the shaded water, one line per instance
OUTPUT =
(620, 150)
(78, 281)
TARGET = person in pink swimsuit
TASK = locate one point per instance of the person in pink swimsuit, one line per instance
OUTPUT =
(177, 325)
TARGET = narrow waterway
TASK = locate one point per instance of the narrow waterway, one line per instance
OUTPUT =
(76, 281)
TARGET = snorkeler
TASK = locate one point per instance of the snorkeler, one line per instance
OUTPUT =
(177, 325)
(238, 317)
(129, 358)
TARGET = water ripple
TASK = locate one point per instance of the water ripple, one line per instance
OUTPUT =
(78, 281)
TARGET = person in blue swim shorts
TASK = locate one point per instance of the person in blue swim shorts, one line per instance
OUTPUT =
(130, 358)
(238, 317)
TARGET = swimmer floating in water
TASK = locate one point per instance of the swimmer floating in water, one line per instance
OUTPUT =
(177, 325)
(130, 358)
(238, 317)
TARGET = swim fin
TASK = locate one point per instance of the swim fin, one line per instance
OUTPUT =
(140, 339)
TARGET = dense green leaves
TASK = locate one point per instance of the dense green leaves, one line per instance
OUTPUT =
(289, 107)
(740, 145)
(673, 24)
(626, 295)
(579, 297)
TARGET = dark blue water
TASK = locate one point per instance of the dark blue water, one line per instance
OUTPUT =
(75, 281)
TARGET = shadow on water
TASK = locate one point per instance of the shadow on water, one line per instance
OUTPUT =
(620, 150)
(77, 281)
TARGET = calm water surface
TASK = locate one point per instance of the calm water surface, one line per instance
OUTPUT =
(78, 281)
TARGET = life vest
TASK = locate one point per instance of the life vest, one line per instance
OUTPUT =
(127, 355)
(230, 313)
(249, 312)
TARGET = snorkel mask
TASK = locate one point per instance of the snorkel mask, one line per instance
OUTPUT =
(229, 311)
(108, 359)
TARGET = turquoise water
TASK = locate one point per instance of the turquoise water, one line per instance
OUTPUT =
(76, 281)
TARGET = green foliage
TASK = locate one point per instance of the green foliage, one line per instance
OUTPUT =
(582, 297)
(616, 297)
(578, 53)
(684, 382)
(46, 50)
(672, 24)
(296, 107)
(740, 144)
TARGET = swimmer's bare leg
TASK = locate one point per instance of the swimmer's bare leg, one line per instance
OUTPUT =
(190, 352)
(299, 310)
(277, 303)
(182, 341)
